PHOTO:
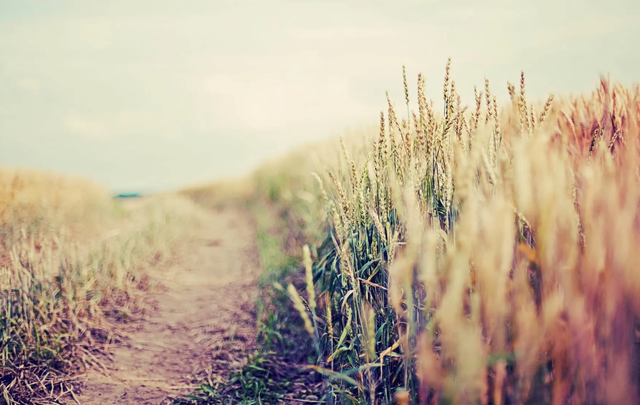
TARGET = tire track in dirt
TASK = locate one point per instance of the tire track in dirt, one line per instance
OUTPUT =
(202, 321)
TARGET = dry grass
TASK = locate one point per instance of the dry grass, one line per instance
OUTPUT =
(482, 255)
(216, 195)
(73, 261)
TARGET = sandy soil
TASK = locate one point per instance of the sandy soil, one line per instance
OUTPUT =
(202, 321)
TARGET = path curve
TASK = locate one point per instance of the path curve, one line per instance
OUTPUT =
(202, 323)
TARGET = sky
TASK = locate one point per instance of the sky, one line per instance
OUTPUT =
(153, 95)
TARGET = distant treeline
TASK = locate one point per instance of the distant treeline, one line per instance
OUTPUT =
(128, 195)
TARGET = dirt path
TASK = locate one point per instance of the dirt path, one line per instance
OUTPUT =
(202, 323)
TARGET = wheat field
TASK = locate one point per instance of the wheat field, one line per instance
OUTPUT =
(482, 255)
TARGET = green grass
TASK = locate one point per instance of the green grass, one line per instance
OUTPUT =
(274, 372)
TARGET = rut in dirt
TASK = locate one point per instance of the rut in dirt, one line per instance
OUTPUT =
(202, 324)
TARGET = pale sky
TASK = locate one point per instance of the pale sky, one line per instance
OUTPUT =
(153, 95)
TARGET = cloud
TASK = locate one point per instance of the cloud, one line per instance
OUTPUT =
(82, 125)
(286, 103)
(28, 84)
